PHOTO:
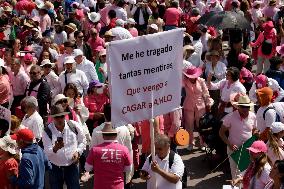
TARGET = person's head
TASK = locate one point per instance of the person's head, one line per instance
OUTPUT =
(277, 129)
(107, 112)
(16, 44)
(95, 88)
(256, 4)
(108, 36)
(195, 12)
(192, 73)
(29, 105)
(43, 11)
(153, 28)
(72, 14)
(111, 14)
(4, 127)
(264, 96)
(187, 4)
(102, 56)
(46, 42)
(214, 56)
(119, 23)
(15, 65)
(130, 23)
(69, 47)
(46, 66)
(233, 74)
(35, 73)
(24, 138)
(62, 100)
(70, 28)
(8, 55)
(235, 4)
(71, 91)
(277, 172)
(276, 62)
(69, 64)
(216, 44)
(94, 33)
(243, 105)
(58, 26)
(8, 147)
(58, 113)
(45, 55)
(257, 150)
(15, 124)
(162, 145)
(188, 50)
(174, 4)
(155, 14)
(28, 59)
(78, 56)
(79, 36)
(108, 132)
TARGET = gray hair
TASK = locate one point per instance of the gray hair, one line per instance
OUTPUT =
(162, 140)
(35, 67)
(30, 101)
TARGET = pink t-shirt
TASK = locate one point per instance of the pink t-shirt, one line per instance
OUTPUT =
(172, 17)
(95, 43)
(240, 130)
(109, 161)
(133, 32)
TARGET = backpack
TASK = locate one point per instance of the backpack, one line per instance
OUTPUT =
(277, 119)
(71, 126)
(266, 47)
(171, 161)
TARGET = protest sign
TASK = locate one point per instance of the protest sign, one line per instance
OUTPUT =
(145, 76)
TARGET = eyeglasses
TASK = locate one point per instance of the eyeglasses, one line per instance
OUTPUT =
(244, 107)
(34, 73)
(103, 56)
(62, 101)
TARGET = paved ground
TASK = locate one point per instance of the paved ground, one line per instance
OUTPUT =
(199, 173)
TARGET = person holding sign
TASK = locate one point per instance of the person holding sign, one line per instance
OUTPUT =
(197, 100)
(240, 124)
(257, 174)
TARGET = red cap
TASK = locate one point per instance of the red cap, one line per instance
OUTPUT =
(24, 134)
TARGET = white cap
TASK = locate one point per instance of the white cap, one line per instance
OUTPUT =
(45, 62)
(77, 52)
(58, 97)
(119, 22)
(154, 26)
(277, 127)
(130, 21)
(69, 60)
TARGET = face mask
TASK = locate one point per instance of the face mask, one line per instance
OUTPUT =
(100, 90)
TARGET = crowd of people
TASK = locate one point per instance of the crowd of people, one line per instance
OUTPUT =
(54, 79)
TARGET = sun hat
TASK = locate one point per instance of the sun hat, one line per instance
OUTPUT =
(261, 81)
(243, 101)
(24, 134)
(94, 17)
(8, 144)
(192, 72)
(58, 98)
(46, 62)
(28, 57)
(108, 129)
(72, 26)
(102, 52)
(95, 83)
(57, 111)
(69, 60)
(258, 146)
(280, 50)
(277, 127)
(77, 52)
(153, 26)
(130, 21)
(108, 34)
(256, 3)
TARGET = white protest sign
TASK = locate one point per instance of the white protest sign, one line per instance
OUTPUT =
(145, 76)
(5, 114)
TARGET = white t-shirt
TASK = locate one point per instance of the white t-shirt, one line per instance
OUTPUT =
(261, 182)
(34, 123)
(270, 117)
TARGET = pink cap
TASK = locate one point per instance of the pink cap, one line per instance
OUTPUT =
(261, 81)
(243, 58)
(258, 146)
(99, 48)
(28, 57)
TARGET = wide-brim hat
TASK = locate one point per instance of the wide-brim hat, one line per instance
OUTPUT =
(57, 111)
(243, 101)
(9, 145)
(59, 97)
(46, 62)
(108, 34)
(108, 129)
(256, 3)
(71, 26)
(94, 17)
(192, 72)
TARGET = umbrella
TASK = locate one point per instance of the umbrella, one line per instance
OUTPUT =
(226, 20)
(205, 17)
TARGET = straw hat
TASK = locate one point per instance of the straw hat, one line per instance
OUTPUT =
(244, 101)
(108, 129)
(72, 26)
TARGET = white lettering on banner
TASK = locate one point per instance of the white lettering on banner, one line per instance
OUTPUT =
(145, 76)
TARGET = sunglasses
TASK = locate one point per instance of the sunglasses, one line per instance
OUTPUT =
(244, 107)
(62, 101)
(59, 117)
(34, 73)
